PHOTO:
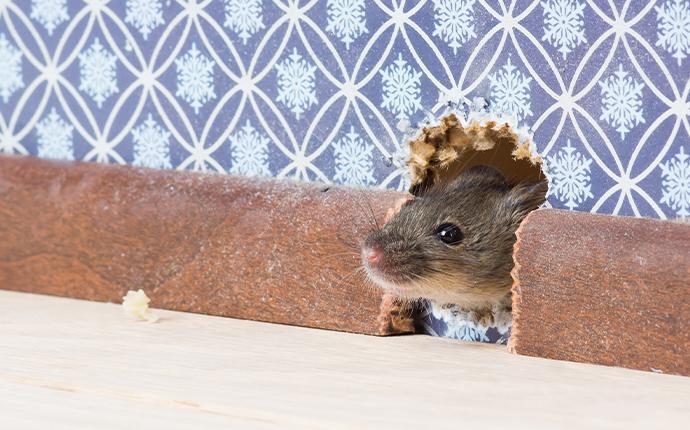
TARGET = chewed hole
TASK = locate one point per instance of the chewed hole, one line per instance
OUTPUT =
(438, 154)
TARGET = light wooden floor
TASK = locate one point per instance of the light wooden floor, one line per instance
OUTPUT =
(70, 364)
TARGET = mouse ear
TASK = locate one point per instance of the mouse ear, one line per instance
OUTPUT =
(525, 197)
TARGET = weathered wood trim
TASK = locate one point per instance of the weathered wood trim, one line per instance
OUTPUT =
(261, 249)
(603, 289)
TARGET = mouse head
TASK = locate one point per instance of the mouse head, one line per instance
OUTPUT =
(453, 245)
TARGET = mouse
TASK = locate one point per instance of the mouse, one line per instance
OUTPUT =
(453, 244)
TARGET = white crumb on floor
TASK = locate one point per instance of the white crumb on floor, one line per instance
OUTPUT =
(136, 305)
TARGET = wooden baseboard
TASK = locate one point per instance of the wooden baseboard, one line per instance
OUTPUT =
(602, 289)
(589, 288)
(260, 249)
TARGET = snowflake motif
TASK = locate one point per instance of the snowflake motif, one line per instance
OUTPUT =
(54, 137)
(145, 15)
(454, 22)
(151, 145)
(467, 330)
(243, 17)
(353, 160)
(346, 20)
(458, 325)
(195, 78)
(569, 174)
(249, 152)
(296, 83)
(673, 25)
(49, 13)
(621, 101)
(676, 183)
(510, 91)
(98, 73)
(10, 69)
(400, 85)
(564, 24)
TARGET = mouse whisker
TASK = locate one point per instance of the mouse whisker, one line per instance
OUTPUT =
(350, 253)
(341, 281)
(340, 256)
(355, 248)
(351, 242)
(370, 213)
(369, 284)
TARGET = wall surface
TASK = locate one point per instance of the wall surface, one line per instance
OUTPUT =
(317, 89)
(325, 90)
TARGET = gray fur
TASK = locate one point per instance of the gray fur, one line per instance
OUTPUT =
(474, 273)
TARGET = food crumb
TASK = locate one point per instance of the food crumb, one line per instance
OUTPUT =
(136, 305)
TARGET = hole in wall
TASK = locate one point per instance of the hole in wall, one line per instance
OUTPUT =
(438, 154)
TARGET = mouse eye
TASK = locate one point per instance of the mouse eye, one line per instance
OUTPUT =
(449, 234)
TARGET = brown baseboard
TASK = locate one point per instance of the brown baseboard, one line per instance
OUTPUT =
(259, 249)
(602, 289)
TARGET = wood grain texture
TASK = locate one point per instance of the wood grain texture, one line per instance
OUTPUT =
(261, 249)
(70, 364)
(603, 289)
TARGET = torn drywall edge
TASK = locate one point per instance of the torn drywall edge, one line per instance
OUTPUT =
(515, 289)
(458, 141)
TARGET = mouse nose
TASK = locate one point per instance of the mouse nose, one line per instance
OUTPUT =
(373, 255)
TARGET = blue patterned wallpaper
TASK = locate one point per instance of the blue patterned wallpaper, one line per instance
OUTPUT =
(326, 89)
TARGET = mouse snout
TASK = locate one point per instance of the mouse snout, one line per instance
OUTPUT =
(372, 255)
